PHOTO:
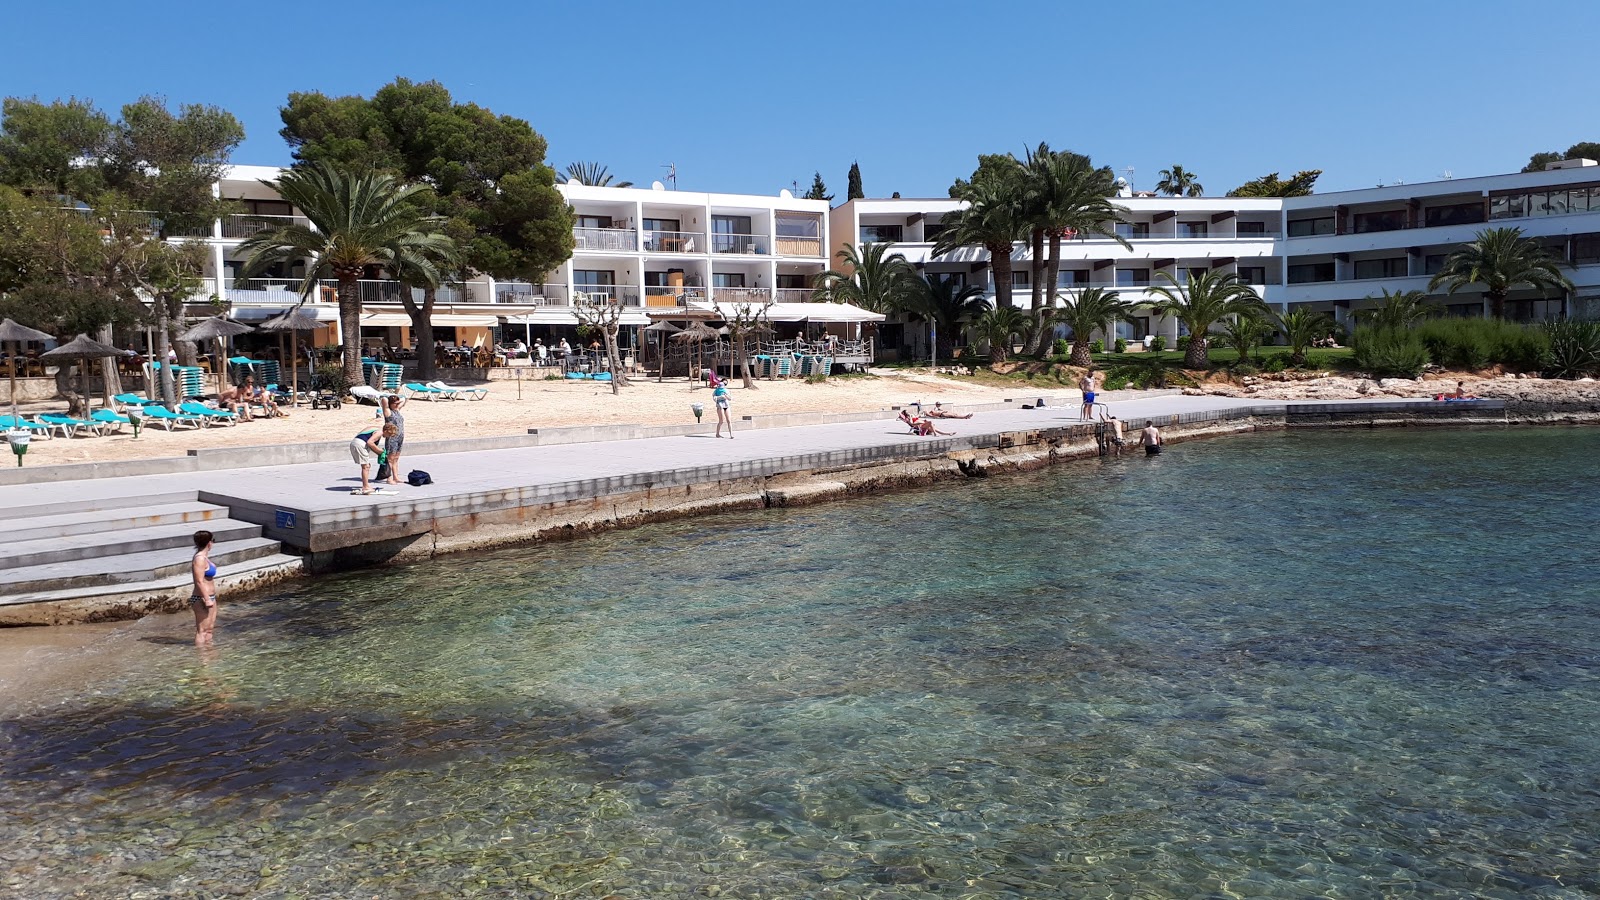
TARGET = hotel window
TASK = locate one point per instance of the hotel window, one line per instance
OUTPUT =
(1189, 272)
(1306, 273)
(594, 281)
(1133, 230)
(880, 234)
(1585, 249)
(957, 280)
(1456, 214)
(1433, 263)
(1252, 228)
(661, 225)
(1381, 268)
(932, 230)
(793, 282)
(1133, 277)
(731, 234)
(1253, 274)
(1309, 227)
(594, 221)
(1193, 229)
(269, 208)
(1021, 279)
(1072, 278)
(1391, 220)
(727, 279)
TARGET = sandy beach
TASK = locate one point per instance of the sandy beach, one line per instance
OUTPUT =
(543, 404)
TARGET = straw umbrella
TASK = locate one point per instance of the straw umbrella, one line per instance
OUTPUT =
(215, 329)
(293, 321)
(12, 334)
(662, 328)
(81, 349)
(698, 332)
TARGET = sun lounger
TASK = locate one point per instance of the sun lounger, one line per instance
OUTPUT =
(70, 427)
(207, 414)
(7, 424)
(427, 392)
(108, 420)
(127, 400)
(160, 415)
(473, 393)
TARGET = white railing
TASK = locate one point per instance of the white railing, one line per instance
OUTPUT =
(243, 226)
(604, 239)
(738, 243)
(264, 291)
(792, 295)
(661, 295)
(674, 242)
(530, 294)
(741, 294)
(625, 295)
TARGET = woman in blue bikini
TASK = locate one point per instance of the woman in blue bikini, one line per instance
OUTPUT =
(203, 599)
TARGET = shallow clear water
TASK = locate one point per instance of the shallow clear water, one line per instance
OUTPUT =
(1337, 665)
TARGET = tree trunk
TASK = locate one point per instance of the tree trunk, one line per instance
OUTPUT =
(1036, 267)
(744, 361)
(1195, 356)
(166, 387)
(350, 323)
(77, 403)
(110, 381)
(618, 379)
(1052, 271)
(1497, 303)
(1000, 262)
(1080, 353)
(422, 327)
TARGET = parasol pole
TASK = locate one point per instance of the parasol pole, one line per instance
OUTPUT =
(294, 366)
(12, 359)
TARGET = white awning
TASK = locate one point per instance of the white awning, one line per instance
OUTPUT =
(803, 312)
(323, 313)
(440, 320)
(385, 320)
(557, 315)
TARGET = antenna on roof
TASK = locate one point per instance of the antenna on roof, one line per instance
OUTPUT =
(1129, 171)
(672, 174)
(1447, 174)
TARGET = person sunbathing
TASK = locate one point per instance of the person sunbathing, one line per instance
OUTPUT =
(939, 412)
(920, 427)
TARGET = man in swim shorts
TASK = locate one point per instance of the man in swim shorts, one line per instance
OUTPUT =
(1150, 439)
(1086, 384)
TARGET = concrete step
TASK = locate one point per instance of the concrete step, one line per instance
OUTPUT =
(126, 568)
(165, 584)
(88, 496)
(194, 512)
(119, 542)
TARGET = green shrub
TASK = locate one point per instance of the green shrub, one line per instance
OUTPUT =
(1389, 352)
(1574, 349)
(1242, 369)
(1275, 363)
(1121, 345)
(330, 377)
(1060, 347)
(1158, 343)
(1114, 383)
(1183, 342)
(1097, 346)
(1481, 343)
(1319, 361)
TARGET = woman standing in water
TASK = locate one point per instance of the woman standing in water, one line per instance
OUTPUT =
(203, 599)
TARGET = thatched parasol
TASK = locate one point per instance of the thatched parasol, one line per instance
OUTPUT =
(293, 321)
(215, 329)
(699, 333)
(81, 349)
(11, 333)
(662, 328)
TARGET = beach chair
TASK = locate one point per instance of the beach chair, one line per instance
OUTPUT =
(156, 414)
(207, 414)
(108, 420)
(7, 424)
(416, 390)
(445, 391)
(68, 426)
(471, 393)
(127, 400)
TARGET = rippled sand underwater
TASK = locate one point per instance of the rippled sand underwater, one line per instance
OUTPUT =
(1285, 665)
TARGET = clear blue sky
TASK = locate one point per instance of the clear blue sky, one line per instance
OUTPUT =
(751, 96)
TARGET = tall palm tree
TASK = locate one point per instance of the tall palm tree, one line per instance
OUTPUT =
(357, 220)
(589, 173)
(1401, 309)
(998, 327)
(1068, 197)
(948, 307)
(1244, 333)
(1203, 300)
(994, 219)
(874, 279)
(1500, 259)
(1094, 307)
(1176, 182)
(1301, 326)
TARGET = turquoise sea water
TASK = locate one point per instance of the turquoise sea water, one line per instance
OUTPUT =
(1287, 665)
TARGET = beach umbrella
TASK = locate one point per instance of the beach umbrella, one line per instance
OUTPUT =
(215, 329)
(697, 333)
(660, 330)
(81, 349)
(11, 333)
(293, 321)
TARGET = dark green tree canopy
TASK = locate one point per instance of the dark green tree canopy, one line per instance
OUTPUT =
(853, 190)
(1271, 185)
(819, 190)
(1580, 150)
(41, 144)
(488, 171)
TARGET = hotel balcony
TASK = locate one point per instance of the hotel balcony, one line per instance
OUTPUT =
(799, 246)
(665, 295)
(517, 292)
(674, 242)
(791, 295)
(625, 295)
(739, 243)
(286, 292)
(238, 227)
(615, 239)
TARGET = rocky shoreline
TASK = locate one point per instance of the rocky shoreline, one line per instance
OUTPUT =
(1528, 398)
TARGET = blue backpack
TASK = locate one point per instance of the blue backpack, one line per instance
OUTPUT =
(418, 478)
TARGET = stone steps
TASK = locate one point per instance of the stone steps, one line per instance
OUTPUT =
(40, 527)
(120, 541)
(115, 571)
(175, 585)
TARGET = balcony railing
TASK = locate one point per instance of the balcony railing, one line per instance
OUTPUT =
(738, 243)
(285, 291)
(625, 295)
(663, 295)
(741, 294)
(674, 242)
(792, 295)
(530, 294)
(244, 226)
(605, 239)
(799, 246)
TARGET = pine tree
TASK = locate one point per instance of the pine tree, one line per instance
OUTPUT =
(853, 189)
(819, 191)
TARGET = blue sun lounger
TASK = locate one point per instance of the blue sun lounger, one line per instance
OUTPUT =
(68, 426)
(427, 392)
(7, 423)
(157, 414)
(108, 420)
(207, 414)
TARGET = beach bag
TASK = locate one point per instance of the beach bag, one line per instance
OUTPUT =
(418, 478)
(383, 472)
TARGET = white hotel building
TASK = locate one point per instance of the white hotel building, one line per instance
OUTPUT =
(657, 249)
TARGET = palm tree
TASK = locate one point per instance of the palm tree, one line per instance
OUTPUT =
(874, 279)
(948, 307)
(1175, 182)
(1301, 326)
(1401, 309)
(1244, 333)
(998, 327)
(1094, 308)
(1500, 259)
(995, 219)
(357, 220)
(589, 173)
(1068, 197)
(1202, 300)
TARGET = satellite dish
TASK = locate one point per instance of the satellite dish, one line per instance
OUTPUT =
(657, 186)
(785, 194)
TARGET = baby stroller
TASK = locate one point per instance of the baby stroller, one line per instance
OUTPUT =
(323, 396)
